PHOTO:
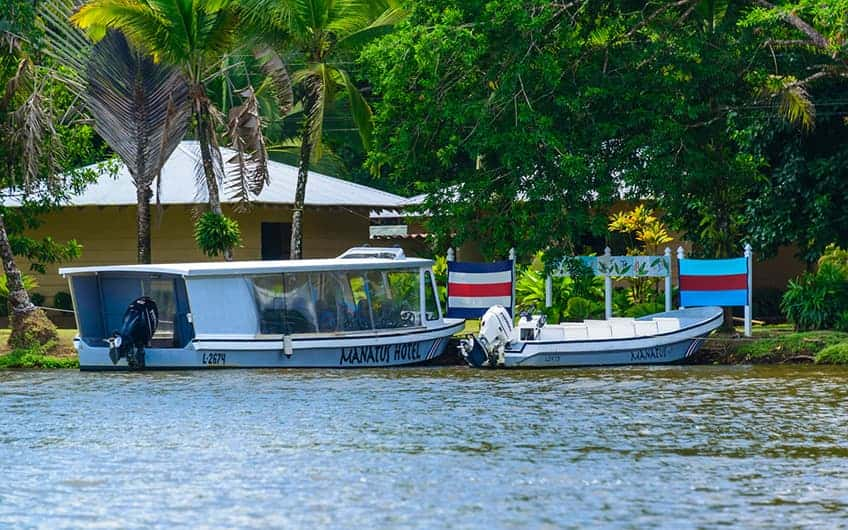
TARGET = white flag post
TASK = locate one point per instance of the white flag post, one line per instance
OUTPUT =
(749, 307)
(512, 257)
(668, 279)
(680, 257)
(608, 287)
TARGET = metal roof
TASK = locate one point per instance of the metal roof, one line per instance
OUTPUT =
(234, 268)
(179, 186)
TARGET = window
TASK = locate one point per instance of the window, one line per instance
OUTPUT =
(331, 302)
(285, 303)
(162, 292)
(276, 240)
(432, 301)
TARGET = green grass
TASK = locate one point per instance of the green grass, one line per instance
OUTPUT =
(36, 359)
(834, 354)
(61, 355)
(781, 344)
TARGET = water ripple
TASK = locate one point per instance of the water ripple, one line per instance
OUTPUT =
(757, 447)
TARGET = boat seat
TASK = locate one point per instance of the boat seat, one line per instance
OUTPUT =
(645, 328)
(667, 324)
(551, 333)
(597, 331)
(622, 329)
(575, 331)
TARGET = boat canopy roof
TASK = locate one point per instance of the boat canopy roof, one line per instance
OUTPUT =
(234, 268)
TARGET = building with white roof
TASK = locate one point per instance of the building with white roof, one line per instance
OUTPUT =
(103, 217)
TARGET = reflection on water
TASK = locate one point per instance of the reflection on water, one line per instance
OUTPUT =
(625, 447)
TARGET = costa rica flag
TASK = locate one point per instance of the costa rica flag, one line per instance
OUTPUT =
(719, 282)
(475, 287)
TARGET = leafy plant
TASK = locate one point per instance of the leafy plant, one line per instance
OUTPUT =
(215, 234)
(645, 308)
(29, 282)
(646, 235)
(579, 308)
(63, 300)
(530, 293)
(817, 300)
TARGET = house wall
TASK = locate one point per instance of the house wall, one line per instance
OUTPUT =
(108, 236)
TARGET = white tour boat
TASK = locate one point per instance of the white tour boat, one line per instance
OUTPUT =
(655, 339)
(369, 307)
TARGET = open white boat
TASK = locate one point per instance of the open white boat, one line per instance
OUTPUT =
(655, 339)
(357, 310)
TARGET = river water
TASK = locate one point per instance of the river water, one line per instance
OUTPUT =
(753, 447)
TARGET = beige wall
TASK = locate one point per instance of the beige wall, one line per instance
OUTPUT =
(108, 236)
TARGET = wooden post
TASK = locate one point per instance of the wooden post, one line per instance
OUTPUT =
(512, 258)
(668, 280)
(549, 291)
(749, 307)
(679, 258)
(608, 287)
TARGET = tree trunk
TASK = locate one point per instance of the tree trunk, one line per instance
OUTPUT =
(30, 326)
(143, 195)
(296, 251)
(204, 139)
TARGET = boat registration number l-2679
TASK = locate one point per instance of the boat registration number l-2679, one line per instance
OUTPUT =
(214, 359)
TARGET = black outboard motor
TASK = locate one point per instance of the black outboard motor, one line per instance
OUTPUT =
(140, 322)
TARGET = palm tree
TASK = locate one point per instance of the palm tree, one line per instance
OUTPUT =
(192, 36)
(326, 35)
(140, 108)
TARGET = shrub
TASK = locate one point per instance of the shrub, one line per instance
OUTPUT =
(841, 323)
(817, 300)
(530, 293)
(62, 300)
(834, 354)
(579, 308)
(215, 233)
(646, 308)
(37, 299)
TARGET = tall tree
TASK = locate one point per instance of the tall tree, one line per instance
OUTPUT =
(326, 35)
(140, 108)
(192, 36)
(485, 107)
(32, 147)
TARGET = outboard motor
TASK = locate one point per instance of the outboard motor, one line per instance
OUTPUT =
(140, 321)
(487, 348)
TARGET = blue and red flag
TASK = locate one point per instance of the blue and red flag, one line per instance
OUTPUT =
(475, 287)
(720, 282)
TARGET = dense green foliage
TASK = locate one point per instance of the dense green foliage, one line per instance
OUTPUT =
(524, 120)
(819, 300)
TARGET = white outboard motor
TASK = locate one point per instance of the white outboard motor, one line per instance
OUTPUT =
(487, 348)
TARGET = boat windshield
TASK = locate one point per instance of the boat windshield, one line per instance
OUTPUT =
(332, 301)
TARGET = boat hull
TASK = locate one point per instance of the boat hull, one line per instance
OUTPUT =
(667, 348)
(379, 350)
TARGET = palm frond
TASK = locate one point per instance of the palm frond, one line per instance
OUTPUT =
(249, 165)
(274, 67)
(379, 26)
(64, 42)
(140, 108)
(359, 108)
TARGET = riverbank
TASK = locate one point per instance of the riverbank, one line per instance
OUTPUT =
(59, 355)
(776, 344)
